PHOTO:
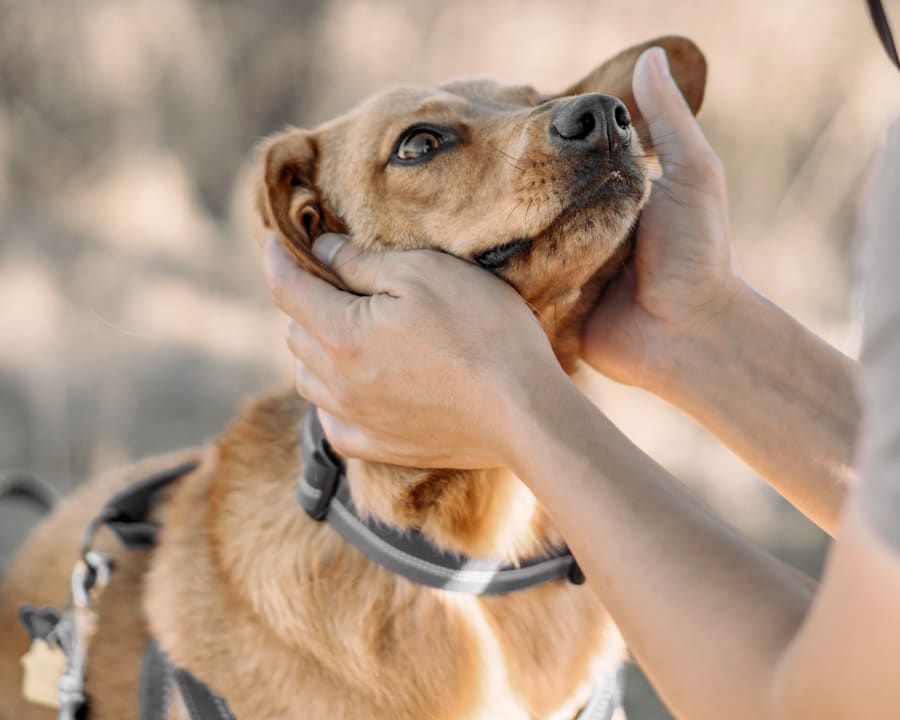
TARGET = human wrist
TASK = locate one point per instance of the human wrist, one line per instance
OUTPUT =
(536, 414)
(689, 353)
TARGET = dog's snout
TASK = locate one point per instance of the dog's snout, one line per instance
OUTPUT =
(592, 121)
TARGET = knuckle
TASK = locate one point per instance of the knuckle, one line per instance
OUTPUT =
(414, 266)
(277, 288)
(343, 350)
(302, 380)
(344, 395)
(293, 331)
(428, 262)
(339, 436)
(278, 277)
(339, 441)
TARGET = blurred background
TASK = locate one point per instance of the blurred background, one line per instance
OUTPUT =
(133, 312)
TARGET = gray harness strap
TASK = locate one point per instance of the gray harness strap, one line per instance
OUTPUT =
(155, 693)
(325, 495)
(127, 515)
(607, 698)
(155, 690)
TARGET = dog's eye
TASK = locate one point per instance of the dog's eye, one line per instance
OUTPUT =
(417, 144)
(420, 143)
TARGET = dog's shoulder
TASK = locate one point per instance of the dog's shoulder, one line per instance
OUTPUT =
(266, 425)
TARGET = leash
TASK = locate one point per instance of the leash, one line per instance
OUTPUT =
(883, 29)
(28, 487)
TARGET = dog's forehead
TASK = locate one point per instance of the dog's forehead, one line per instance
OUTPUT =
(467, 96)
(490, 92)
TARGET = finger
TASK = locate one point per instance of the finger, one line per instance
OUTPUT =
(314, 303)
(310, 387)
(677, 137)
(367, 273)
(348, 440)
(307, 349)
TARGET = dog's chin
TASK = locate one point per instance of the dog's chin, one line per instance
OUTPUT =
(599, 238)
(611, 188)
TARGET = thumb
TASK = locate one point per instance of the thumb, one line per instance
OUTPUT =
(362, 272)
(677, 138)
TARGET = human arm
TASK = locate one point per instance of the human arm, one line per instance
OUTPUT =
(683, 324)
(722, 628)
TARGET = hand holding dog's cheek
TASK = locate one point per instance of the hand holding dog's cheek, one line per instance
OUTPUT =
(424, 366)
(683, 272)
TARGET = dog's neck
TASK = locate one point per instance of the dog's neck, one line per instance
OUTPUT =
(482, 513)
(486, 513)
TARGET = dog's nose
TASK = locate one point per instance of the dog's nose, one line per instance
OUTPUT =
(593, 121)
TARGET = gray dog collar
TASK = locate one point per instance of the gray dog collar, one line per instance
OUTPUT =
(323, 491)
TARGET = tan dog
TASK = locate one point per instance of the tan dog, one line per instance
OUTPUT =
(277, 613)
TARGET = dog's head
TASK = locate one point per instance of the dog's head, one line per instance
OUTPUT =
(542, 190)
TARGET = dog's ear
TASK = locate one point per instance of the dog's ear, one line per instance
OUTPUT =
(686, 61)
(288, 200)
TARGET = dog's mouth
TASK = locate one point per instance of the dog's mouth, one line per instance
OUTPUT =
(597, 205)
(608, 187)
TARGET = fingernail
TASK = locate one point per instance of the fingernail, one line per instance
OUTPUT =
(660, 61)
(327, 246)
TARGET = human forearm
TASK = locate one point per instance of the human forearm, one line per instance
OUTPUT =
(780, 397)
(681, 323)
(705, 612)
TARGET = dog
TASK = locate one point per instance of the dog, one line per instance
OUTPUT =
(276, 613)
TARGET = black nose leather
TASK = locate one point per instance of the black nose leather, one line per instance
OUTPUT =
(594, 121)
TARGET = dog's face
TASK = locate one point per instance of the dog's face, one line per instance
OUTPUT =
(541, 190)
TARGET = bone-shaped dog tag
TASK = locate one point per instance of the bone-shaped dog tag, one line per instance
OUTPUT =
(44, 665)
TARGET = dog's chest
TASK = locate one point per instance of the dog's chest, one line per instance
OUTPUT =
(283, 618)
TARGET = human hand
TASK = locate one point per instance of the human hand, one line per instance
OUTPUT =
(682, 275)
(426, 367)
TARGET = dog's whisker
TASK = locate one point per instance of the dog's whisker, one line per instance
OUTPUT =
(511, 159)
(528, 209)
(536, 311)
(516, 207)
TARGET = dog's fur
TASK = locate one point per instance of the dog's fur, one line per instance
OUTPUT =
(274, 611)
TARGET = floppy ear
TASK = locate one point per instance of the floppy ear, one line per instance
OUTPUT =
(686, 62)
(288, 201)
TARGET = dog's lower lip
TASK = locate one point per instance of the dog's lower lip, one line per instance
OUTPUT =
(605, 185)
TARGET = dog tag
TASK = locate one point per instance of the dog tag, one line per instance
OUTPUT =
(44, 665)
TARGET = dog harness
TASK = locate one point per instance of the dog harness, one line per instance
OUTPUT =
(127, 515)
(323, 492)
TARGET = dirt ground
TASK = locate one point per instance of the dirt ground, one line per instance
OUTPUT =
(133, 313)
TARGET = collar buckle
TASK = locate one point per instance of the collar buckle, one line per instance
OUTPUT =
(321, 469)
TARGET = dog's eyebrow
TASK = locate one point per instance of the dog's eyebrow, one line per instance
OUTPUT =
(500, 255)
